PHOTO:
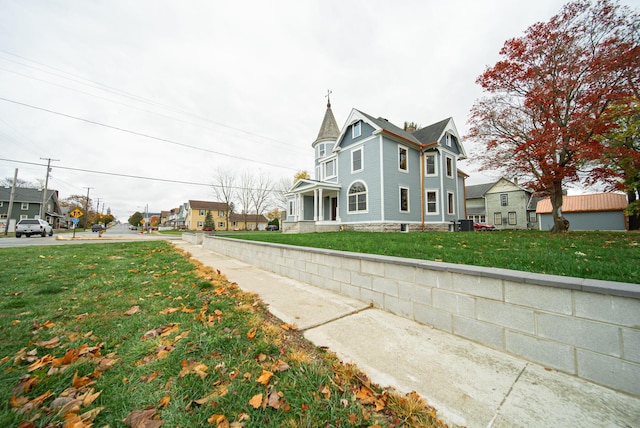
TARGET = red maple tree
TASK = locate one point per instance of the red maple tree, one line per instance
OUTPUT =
(549, 95)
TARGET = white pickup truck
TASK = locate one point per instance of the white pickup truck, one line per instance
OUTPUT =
(33, 226)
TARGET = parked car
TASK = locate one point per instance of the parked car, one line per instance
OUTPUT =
(483, 226)
(132, 227)
(97, 227)
(33, 226)
(273, 227)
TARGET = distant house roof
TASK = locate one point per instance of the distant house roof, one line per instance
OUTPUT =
(25, 194)
(586, 203)
(250, 218)
(478, 190)
(208, 205)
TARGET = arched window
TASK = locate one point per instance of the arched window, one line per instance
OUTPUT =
(357, 197)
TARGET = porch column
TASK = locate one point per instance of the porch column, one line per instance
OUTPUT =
(320, 205)
(315, 204)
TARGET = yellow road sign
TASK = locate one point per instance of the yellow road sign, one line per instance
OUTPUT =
(142, 221)
(76, 213)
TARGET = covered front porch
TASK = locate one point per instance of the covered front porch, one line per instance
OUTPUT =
(312, 206)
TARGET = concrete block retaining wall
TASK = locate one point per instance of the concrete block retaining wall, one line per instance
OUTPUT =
(587, 328)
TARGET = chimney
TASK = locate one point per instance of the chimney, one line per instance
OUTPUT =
(515, 181)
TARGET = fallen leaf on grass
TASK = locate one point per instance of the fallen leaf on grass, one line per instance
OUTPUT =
(164, 401)
(194, 367)
(168, 311)
(151, 376)
(256, 401)
(133, 310)
(80, 381)
(251, 334)
(51, 343)
(143, 418)
(81, 316)
(286, 326)
(220, 421)
(274, 400)
(265, 377)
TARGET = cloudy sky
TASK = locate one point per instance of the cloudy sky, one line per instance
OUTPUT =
(143, 101)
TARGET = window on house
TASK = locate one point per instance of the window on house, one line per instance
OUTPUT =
(402, 159)
(200, 224)
(321, 150)
(449, 167)
(292, 206)
(504, 199)
(1, 203)
(234, 224)
(220, 213)
(24, 206)
(202, 212)
(451, 203)
(357, 197)
(497, 218)
(356, 160)
(221, 225)
(404, 199)
(533, 218)
(511, 215)
(432, 202)
(356, 129)
(430, 165)
(330, 168)
(23, 216)
(447, 139)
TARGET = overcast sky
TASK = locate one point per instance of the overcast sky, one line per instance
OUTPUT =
(176, 90)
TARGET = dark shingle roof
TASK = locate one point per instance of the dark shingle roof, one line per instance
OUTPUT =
(207, 205)
(24, 194)
(478, 190)
(431, 133)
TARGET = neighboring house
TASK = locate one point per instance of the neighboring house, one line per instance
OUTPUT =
(599, 211)
(181, 216)
(248, 222)
(502, 203)
(27, 203)
(374, 176)
(197, 212)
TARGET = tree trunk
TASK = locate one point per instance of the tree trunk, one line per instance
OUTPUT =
(634, 219)
(560, 224)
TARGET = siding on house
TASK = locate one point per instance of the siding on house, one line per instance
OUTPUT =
(600, 211)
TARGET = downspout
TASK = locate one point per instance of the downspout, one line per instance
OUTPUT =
(422, 147)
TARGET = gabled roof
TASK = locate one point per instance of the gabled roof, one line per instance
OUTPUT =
(586, 203)
(429, 135)
(478, 190)
(251, 218)
(25, 194)
(208, 205)
(329, 129)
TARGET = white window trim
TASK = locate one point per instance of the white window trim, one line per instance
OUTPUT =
(515, 218)
(506, 199)
(446, 158)
(292, 207)
(406, 149)
(400, 188)
(321, 150)
(426, 202)
(202, 212)
(356, 126)
(324, 169)
(24, 206)
(361, 160)
(221, 224)
(451, 207)
(447, 139)
(495, 216)
(435, 165)
(366, 200)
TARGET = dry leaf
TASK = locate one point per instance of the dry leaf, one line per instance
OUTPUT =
(274, 400)
(164, 401)
(143, 418)
(326, 391)
(251, 334)
(256, 401)
(133, 310)
(220, 421)
(265, 377)
(193, 367)
(80, 381)
(51, 343)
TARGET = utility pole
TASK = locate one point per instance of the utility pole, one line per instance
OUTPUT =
(46, 184)
(98, 208)
(13, 193)
(86, 207)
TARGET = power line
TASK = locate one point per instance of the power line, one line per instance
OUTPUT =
(137, 177)
(140, 134)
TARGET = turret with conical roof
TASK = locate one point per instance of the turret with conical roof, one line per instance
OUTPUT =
(329, 130)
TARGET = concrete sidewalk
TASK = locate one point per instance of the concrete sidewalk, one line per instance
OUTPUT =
(469, 384)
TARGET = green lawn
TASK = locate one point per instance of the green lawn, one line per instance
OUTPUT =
(613, 256)
(123, 334)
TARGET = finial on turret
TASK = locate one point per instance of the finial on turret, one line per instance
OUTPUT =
(328, 98)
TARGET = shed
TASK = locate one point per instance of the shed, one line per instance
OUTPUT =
(598, 211)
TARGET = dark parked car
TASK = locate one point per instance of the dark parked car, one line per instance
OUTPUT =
(483, 226)
(272, 227)
(97, 228)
